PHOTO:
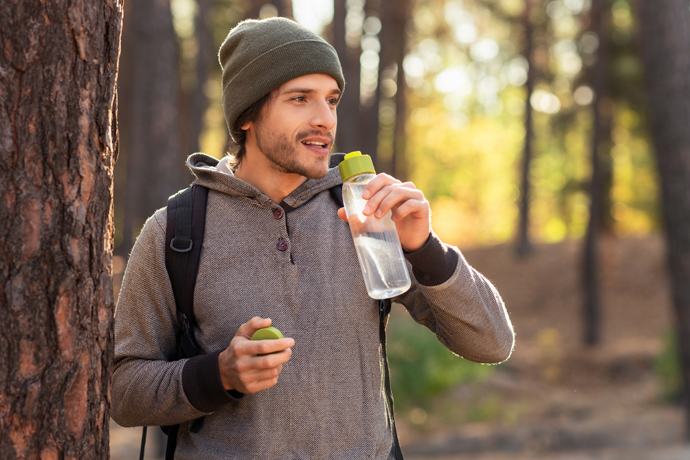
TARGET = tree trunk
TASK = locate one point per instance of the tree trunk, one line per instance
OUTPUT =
(348, 110)
(601, 128)
(197, 102)
(402, 15)
(124, 96)
(524, 244)
(255, 8)
(58, 141)
(154, 159)
(369, 110)
(665, 33)
(285, 8)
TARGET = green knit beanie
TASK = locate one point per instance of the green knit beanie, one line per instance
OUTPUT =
(259, 56)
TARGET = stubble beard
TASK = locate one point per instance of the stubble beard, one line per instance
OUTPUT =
(284, 155)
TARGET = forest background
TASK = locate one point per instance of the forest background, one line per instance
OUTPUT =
(519, 121)
(550, 137)
(436, 92)
(524, 123)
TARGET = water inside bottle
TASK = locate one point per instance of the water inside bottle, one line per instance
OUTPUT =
(379, 256)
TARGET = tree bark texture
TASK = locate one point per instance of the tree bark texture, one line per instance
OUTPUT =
(665, 37)
(58, 141)
(154, 158)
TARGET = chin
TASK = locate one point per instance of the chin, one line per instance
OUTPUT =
(317, 173)
(318, 169)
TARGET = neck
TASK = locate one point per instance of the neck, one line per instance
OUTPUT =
(259, 172)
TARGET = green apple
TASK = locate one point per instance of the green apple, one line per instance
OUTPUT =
(267, 333)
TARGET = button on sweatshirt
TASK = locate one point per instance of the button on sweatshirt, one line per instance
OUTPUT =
(299, 268)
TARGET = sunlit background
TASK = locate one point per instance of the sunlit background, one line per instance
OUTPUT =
(477, 101)
(465, 73)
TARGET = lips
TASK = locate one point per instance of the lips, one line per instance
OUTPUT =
(317, 144)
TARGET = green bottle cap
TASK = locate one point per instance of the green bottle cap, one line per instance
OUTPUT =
(355, 163)
(267, 333)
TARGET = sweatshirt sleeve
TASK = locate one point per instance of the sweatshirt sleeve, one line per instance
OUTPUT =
(150, 386)
(458, 304)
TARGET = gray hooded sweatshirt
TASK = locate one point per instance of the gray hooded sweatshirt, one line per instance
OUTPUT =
(294, 262)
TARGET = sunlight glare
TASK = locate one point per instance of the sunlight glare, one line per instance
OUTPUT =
(454, 80)
(546, 102)
(313, 14)
(484, 50)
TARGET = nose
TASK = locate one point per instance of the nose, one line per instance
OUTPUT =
(325, 116)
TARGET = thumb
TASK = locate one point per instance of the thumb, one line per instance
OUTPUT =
(248, 329)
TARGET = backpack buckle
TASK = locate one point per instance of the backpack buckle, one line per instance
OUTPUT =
(176, 249)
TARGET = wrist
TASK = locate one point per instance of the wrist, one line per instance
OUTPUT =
(415, 245)
(222, 360)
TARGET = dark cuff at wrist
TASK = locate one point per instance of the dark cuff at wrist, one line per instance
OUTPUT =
(433, 263)
(202, 384)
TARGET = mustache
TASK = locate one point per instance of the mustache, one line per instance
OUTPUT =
(315, 132)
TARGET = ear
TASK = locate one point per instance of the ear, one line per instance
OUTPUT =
(246, 126)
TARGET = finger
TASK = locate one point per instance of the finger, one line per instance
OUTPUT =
(342, 214)
(377, 183)
(272, 361)
(248, 329)
(392, 196)
(263, 347)
(253, 348)
(416, 208)
(400, 197)
(249, 371)
(251, 377)
(255, 387)
(375, 199)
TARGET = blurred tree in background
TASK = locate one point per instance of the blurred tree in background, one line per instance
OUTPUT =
(446, 85)
(666, 31)
(150, 110)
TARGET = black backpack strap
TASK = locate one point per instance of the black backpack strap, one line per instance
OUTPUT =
(337, 194)
(143, 444)
(171, 444)
(384, 310)
(184, 237)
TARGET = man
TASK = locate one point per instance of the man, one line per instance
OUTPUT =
(277, 250)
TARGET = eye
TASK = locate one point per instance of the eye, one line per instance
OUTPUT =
(334, 101)
(299, 98)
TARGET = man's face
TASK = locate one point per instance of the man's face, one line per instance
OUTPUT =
(296, 129)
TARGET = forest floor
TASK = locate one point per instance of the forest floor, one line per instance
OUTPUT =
(555, 398)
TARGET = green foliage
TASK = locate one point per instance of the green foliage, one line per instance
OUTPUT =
(465, 134)
(668, 369)
(421, 368)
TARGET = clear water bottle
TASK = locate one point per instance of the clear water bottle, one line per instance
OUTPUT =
(376, 239)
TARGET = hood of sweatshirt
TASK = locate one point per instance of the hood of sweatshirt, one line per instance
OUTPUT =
(214, 174)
